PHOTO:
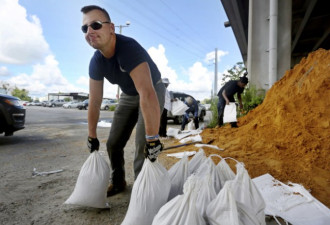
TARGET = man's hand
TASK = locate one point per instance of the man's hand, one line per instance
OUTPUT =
(241, 106)
(93, 144)
(152, 150)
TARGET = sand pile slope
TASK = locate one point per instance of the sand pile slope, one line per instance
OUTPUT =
(288, 134)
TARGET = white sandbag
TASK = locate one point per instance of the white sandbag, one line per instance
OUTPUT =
(178, 175)
(191, 125)
(249, 209)
(208, 168)
(216, 175)
(172, 132)
(206, 194)
(223, 210)
(180, 155)
(182, 209)
(195, 138)
(196, 161)
(178, 108)
(292, 202)
(229, 114)
(224, 171)
(150, 192)
(92, 183)
(250, 203)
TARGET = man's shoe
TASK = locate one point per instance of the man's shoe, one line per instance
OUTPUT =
(114, 189)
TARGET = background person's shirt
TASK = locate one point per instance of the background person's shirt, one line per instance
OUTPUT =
(192, 109)
(231, 88)
(128, 55)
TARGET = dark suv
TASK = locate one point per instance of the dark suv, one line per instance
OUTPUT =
(12, 115)
(181, 96)
(83, 105)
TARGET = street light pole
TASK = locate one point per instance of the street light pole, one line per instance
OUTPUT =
(120, 30)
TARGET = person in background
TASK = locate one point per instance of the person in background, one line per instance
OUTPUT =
(226, 95)
(122, 60)
(193, 108)
(167, 107)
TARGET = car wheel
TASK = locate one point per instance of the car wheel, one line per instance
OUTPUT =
(53, 105)
(106, 108)
(69, 107)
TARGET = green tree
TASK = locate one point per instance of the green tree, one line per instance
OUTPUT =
(67, 99)
(234, 73)
(22, 94)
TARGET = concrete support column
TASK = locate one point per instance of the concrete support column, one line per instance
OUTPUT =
(272, 68)
(269, 53)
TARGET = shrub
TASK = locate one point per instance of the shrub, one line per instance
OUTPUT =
(214, 110)
(112, 107)
(251, 98)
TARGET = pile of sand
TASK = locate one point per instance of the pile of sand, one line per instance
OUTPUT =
(288, 134)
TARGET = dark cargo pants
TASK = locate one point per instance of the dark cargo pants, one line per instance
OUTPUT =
(128, 114)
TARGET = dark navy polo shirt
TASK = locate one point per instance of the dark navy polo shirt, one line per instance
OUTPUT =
(231, 88)
(128, 55)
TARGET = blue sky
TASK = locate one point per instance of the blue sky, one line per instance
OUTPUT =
(42, 48)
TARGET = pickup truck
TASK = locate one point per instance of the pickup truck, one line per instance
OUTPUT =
(181, 96)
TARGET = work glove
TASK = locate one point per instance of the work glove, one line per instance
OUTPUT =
(93, 144)
(153, 149)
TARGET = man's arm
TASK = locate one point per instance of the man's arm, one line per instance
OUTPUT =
(240, 100)
(225, 96)
(94, 104)
(148, 99)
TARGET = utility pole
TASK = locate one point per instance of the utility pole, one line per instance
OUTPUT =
(120, 30)
(215, 89)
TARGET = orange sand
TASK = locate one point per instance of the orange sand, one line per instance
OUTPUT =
(288, 134)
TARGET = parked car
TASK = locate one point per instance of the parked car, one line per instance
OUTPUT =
(44, 103)
(83, 105)
(56, 103)
(12, 114)
(107, 103)
(69, 105)
(23, 103)
(181, 96)
(34, 103)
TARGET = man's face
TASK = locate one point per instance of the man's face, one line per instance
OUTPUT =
(102, 37)
(242, 85)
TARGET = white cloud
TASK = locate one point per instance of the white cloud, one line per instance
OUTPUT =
(45, 78)
(83, 80)
(211, 56)
(21, 39)
(200, 79)
(4, 71)
(109, 90)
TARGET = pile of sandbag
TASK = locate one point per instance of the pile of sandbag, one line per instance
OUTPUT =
(195, 192)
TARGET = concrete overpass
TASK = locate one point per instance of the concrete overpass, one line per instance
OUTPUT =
(273, 35)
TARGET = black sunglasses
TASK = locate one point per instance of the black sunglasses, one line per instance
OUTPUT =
(95, 26)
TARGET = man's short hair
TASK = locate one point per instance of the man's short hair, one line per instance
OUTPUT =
(88, 8)
(244, 80)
